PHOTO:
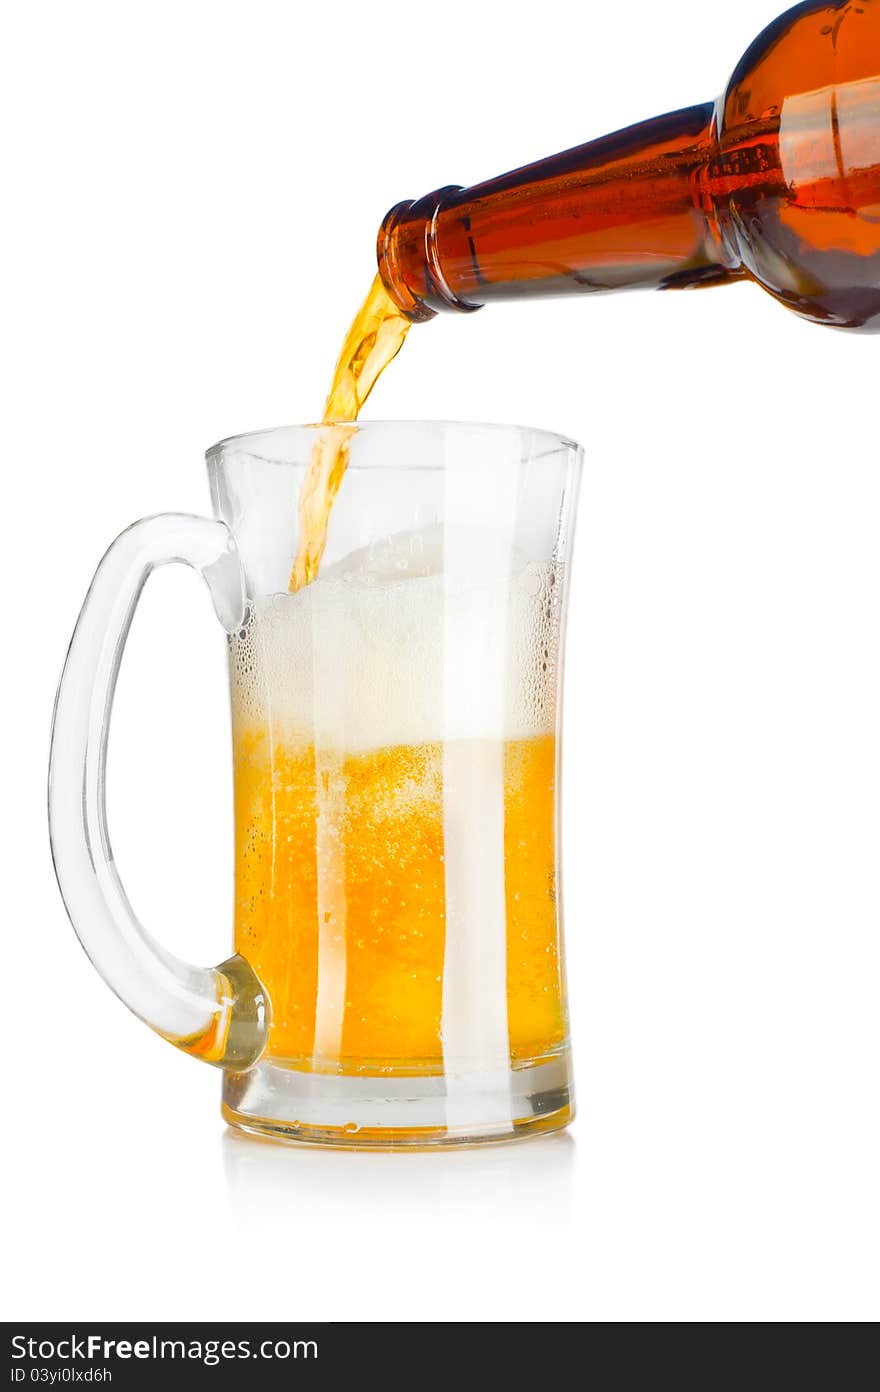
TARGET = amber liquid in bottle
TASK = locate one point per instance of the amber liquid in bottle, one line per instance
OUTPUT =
(777, 182)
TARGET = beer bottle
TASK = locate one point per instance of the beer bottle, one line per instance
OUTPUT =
(777, 182)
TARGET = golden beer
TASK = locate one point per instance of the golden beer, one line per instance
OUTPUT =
(395, 818)
(354, 856)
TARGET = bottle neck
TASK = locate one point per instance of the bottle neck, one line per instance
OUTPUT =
(624, 211)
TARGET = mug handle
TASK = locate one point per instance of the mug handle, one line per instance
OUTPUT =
(219, 1014)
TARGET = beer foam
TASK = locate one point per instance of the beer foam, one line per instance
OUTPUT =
(376, 653)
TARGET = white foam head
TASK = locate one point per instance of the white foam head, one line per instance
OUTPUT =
(395, 646)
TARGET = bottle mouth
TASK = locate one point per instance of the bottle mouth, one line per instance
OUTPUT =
(388, 247)
(409, 258)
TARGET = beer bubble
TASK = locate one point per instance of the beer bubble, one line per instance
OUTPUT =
(390, 648)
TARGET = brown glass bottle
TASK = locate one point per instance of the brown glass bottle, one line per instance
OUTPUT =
(778, 181)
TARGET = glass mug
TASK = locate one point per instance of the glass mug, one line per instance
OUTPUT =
(398, 975)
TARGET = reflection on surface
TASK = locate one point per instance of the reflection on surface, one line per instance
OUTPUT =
(528, 1183)
(825, 137)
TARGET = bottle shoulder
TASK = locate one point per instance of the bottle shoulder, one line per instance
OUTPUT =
(795, 175)
(813, 47)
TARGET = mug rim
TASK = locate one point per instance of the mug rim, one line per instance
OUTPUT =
(246, 442)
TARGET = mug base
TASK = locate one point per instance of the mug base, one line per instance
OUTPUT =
(385, 1112)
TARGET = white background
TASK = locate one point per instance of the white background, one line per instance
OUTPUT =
(190, 197)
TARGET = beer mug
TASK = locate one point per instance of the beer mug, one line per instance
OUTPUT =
(398, 976)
